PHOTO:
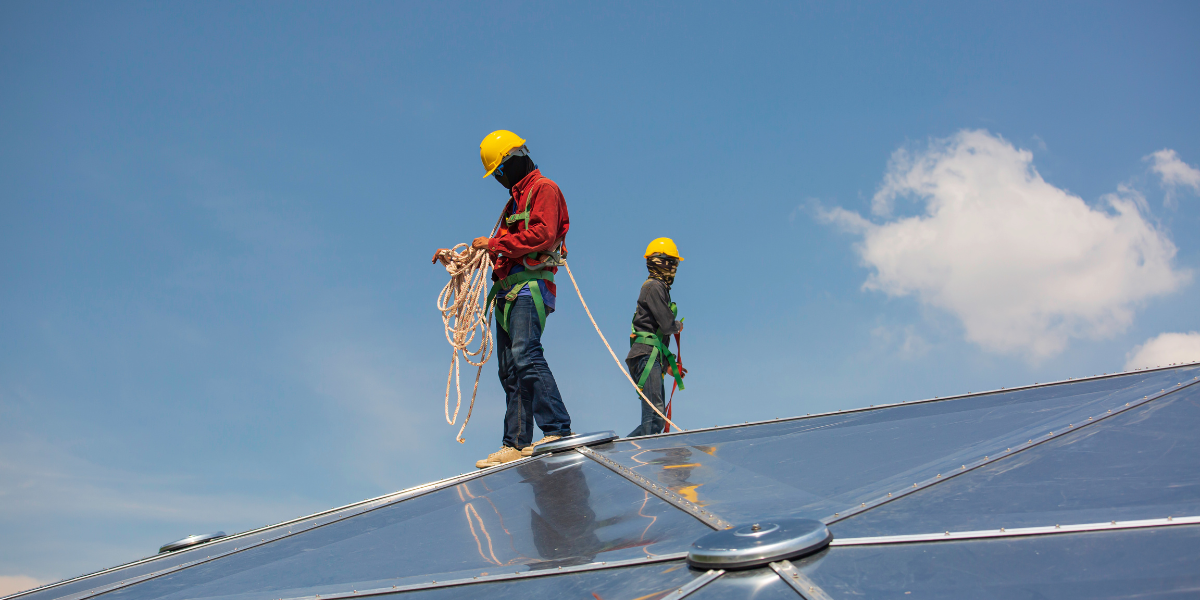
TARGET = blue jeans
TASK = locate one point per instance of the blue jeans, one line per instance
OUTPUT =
(529, 388)
(654, 391)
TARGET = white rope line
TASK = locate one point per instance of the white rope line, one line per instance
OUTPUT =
(614, 354)
(465, 316)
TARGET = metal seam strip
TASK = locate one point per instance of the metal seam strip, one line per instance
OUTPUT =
(949, 536)
(912, 402)
(798, 581)
(695, 584)
(392, 499)
(600, 566)
(991, 458)
(706, 517)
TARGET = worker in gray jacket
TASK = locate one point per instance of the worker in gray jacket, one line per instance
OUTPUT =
(654, 322)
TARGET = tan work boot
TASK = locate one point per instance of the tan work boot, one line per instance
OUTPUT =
(499, 457)
(528, 450)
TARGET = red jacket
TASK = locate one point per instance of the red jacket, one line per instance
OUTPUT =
(548, 223)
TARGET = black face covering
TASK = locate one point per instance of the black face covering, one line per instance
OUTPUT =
(513, 170)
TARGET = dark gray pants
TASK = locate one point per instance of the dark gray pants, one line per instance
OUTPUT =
(654, 390)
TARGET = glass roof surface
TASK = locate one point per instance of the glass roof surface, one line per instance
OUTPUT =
(817, 466)
(647, 582)
(1157, 562)
(556, 511)
(172, 559)
(1141, 464)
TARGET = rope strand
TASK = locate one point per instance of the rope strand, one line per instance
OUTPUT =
(464, 317)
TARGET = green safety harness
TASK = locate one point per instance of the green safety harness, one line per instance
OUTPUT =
(522, 279)
(659, 343)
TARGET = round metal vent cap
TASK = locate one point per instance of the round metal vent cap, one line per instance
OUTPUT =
(759, 543)
(574, 441)
(189, 541)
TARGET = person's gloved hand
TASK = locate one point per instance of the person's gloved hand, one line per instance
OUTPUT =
(481, 243)
(671, 371)
(440, 255)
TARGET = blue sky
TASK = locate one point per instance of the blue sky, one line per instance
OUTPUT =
(216, 305)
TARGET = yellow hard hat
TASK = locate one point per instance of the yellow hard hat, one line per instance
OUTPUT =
(496, 146)
(665, 246)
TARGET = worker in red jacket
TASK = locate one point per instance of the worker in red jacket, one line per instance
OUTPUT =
(525, 251)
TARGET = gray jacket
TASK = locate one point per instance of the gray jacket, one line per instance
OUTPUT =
(653, 314)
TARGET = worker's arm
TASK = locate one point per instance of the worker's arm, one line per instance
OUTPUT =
(544, 225)
(658, 302)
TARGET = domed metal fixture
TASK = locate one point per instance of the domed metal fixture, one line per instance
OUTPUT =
(759, 543)
(575, 441)
(189, 541)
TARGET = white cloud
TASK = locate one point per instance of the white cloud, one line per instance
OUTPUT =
(1024, 265)
(1165, 349)
(1174, 172)
(11, 584)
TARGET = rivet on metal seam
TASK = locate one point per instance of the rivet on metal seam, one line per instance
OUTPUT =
(889, 494)
(864, 503)
(1114, 522)
(914, 485)
(1001, 530)
(939, 475)
(947, 533)
(1056, 526)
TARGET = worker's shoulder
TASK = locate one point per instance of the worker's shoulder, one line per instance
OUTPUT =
(653, 286)
(545, 184)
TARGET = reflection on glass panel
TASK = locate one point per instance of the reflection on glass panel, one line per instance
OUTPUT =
(173, 559)
(756, 584)
(1134, 563)
(815, 467)
(557, 511)
(648, 582)
(1143, 464)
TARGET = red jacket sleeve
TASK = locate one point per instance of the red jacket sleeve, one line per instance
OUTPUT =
(545, 224)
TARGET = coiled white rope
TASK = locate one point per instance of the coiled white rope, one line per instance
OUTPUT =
(465, 317)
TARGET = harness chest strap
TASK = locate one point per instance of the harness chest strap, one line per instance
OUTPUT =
(521, 280)
(557, 254)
